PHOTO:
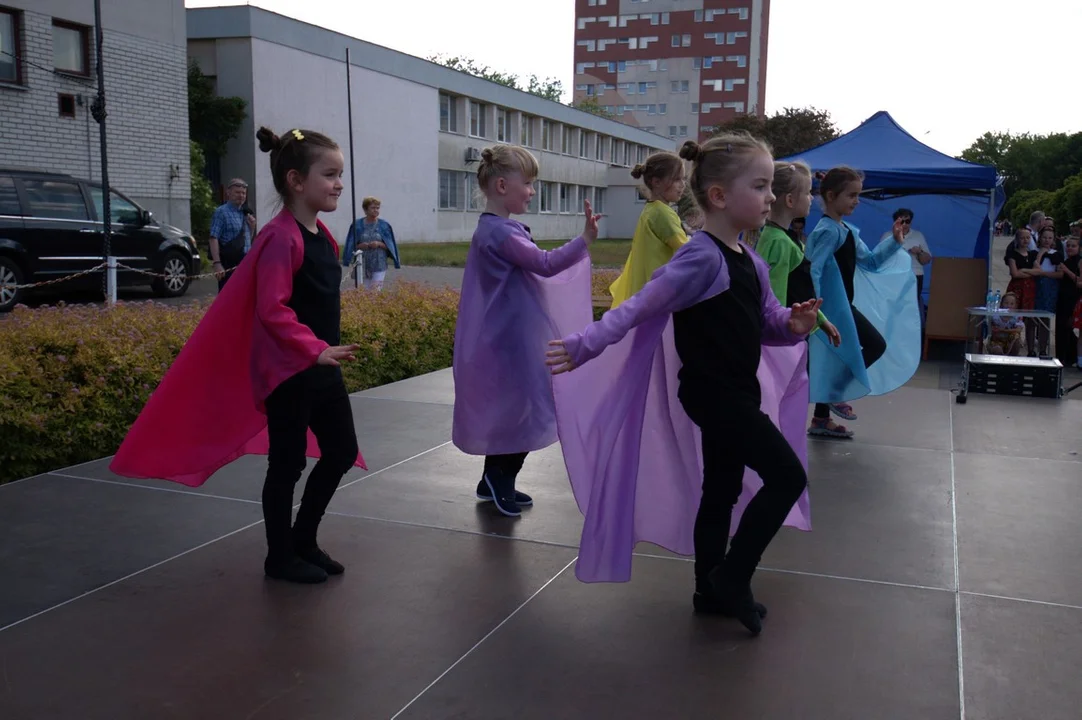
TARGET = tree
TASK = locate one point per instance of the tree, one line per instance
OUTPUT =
(202, 202)
(212, 120)
(1028, 162)
(549, 88)
(592, 106)
(789, 132)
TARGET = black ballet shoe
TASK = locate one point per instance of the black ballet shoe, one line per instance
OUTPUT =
(706, 604)
(293, 569)
(316, 556)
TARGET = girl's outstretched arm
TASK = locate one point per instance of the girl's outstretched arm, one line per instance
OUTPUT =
(872, 259)
(518, 249)
(675, 286)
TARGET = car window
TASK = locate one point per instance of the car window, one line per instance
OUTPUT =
(121, 212)
(55, 199)
(9, 200)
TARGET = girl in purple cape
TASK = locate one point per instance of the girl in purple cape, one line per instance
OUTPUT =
(512, 294)
(717, 291)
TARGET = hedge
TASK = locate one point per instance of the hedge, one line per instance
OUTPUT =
(74, 378)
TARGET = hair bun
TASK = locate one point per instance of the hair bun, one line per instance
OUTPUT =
(637, 171)
(691, 151)
(268, 141)
(487, 155)
(820, 175)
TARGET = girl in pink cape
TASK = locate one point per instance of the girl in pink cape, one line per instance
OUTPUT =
(627, 423)
(261, 373)
(515, 297)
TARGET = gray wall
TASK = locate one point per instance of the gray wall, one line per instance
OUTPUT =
(147, 101)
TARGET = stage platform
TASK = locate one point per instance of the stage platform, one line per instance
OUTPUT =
(941, 581)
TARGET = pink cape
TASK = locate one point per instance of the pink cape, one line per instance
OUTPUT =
(209, 408)
(633, 456)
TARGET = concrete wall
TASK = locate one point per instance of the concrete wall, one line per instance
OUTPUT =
(147, 101)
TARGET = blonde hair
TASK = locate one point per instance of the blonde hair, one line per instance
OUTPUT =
(789, 178)
(719, 160)
(503, 160)
(661, 167)
(369, 202)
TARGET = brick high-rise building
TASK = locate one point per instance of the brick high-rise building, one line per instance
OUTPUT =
(674, 67)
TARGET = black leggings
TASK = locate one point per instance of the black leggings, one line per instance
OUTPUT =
(509, 465)
(872, 347)
(745, 438)
(294, 407)
(1066, 342)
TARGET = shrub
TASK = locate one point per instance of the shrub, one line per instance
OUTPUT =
(74, 378)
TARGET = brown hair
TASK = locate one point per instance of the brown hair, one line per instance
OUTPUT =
(719, 160)
(835, 180)
(789, 178)
(295, 150)
(369, 202)
(502, 160)
(661, 167)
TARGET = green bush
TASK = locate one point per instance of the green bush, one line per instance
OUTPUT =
(74, 378)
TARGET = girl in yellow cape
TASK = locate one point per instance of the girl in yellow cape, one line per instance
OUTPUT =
(659, 232)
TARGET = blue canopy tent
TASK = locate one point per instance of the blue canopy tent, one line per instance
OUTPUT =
(954, 202)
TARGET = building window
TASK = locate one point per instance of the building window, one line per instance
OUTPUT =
(528, 138)
(583, 144)
(503, 126)
(685, 40)
(599, 147)
(599, 200)
(545, 191)
(742, 12)
(565, 139)
(664, 18)
(698, 16)
(683, 131)
(475, 199)
(546, 135)
(450, 190)
(567, 192)
(10, 72)
(672, 131)
(477, 118)
(65, 105)
(71, 53)
(697, 63)
(694, 108)
(448, 113)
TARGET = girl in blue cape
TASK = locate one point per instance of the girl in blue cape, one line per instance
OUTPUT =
(631, 421)
(869, 295)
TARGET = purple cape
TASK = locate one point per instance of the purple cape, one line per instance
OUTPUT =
(634, 457)
(515, 298)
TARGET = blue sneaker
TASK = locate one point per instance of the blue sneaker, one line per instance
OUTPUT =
(502, 491)
(485, 495)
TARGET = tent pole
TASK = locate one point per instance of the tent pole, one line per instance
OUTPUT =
(991, 232)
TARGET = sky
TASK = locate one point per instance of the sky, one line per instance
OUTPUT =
(946, 70)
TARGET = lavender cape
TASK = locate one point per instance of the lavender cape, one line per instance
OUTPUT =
(515, 298)
(633, 455)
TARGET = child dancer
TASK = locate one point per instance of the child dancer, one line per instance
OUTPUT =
(513, 296)
(374, 237)
(840, 265)
(630, 445)
(659, 232)
(261, 372)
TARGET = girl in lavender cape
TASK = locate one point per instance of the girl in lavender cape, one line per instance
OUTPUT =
(631, 447)
(515, 297)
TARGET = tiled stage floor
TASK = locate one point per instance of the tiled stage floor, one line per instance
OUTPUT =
(943, 580)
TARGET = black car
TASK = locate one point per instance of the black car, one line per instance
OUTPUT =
(50, 227)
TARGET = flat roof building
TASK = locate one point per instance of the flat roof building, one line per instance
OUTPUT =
(418, 128)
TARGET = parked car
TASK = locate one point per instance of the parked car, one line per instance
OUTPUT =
(51, 227)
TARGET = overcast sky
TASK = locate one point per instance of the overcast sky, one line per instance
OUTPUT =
(947, 70)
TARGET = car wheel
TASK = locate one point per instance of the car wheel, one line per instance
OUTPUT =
(10, 276)
(177, 279)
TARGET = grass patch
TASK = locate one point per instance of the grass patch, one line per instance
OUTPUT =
(603, 253)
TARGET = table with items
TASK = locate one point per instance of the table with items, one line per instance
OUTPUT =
(980, 325)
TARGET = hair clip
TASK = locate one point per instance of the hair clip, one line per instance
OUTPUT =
(298, 134)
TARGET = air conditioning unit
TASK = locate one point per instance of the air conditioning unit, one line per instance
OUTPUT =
(473, 155)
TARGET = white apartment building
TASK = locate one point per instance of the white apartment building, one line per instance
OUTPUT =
(48, 80)
(418, 128)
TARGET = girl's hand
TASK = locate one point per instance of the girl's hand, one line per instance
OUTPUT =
(804, 317)
(559, 359)
(832, 333)
(333, 354)
(589, 233)
(898, 231)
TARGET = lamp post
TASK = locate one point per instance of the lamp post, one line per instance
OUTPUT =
(97, 110)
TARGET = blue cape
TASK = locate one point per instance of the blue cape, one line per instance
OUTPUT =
(885, 292)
